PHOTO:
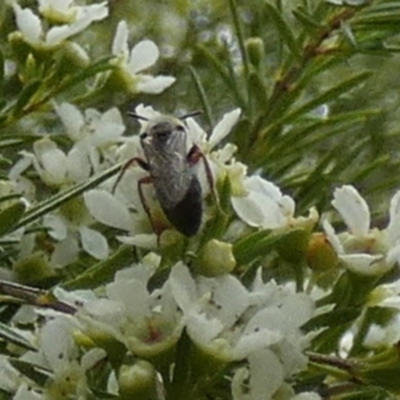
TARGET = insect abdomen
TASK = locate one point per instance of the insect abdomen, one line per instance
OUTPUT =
(186, 214)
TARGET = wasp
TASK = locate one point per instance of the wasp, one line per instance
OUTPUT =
(171, 171)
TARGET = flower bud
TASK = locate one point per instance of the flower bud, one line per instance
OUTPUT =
(138, 381)
(255, 49)
(33, 269)
(292, 246)
(216, 258)
(76, 54)
(321, 256)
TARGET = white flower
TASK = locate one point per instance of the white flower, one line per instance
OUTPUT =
(58, 169)
(115, 211)
(230, 323)
(264, 205)
(362, 249)
(224, 319)
(59, 355)
(130, 64)
(78, 18)
(92, 131)
(387, 335)
(383, 337)
(218, 134)
(147, 323)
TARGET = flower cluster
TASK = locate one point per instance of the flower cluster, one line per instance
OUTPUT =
(63, 19)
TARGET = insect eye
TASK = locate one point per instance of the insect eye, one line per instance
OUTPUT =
(143, 135)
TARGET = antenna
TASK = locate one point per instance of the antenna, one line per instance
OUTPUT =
(191, 114)
(136, 116)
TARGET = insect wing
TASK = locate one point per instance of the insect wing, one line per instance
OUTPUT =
(169, 168)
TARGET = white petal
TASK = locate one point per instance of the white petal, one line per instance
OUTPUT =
(307, 396)
(183, 287)
(250, 211)
(251, 342)
(57, 226)
(72, 119)
(394, 222)
(224, 127)
(52, 160)
(332, 237)
(143, 240)
(25, 392)
(78, 165)
(57, 352)
(120, 42)
(154, 84)
(95, 12)
(366, 264)
(76, 298)
(107, 311)
(147, 112)
(65, 252)
(92, 357)
(143, 56)
(59, 6)
(20, 166)
(58, 34)
(94, 243)
(203, 330)
(264, 364)
(239, 386)
(259, 185)
(133, 295)
(197, 133)
(107, 127)
(264, 206)
(353, 209)
(28, 23)
(393, 255)
(229, 297)
(107, 209)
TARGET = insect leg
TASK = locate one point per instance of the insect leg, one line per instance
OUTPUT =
(143, 164)
(193, 157)
(144, 181)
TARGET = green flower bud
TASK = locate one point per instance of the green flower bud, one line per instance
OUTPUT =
(33, 269)
(216, 258)
(76, 54)
(255, 50)
(292, 246)
(138, 381)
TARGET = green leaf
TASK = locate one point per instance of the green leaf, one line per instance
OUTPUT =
(10, 216)
(102, 272)
(223, 72)
(307, 21)
(37, 374)
(332, 318)
(257, 88)
(286, 33)
(25, 97)
(326, 97)
(202, 95)
(9, 335)
(254, 245)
